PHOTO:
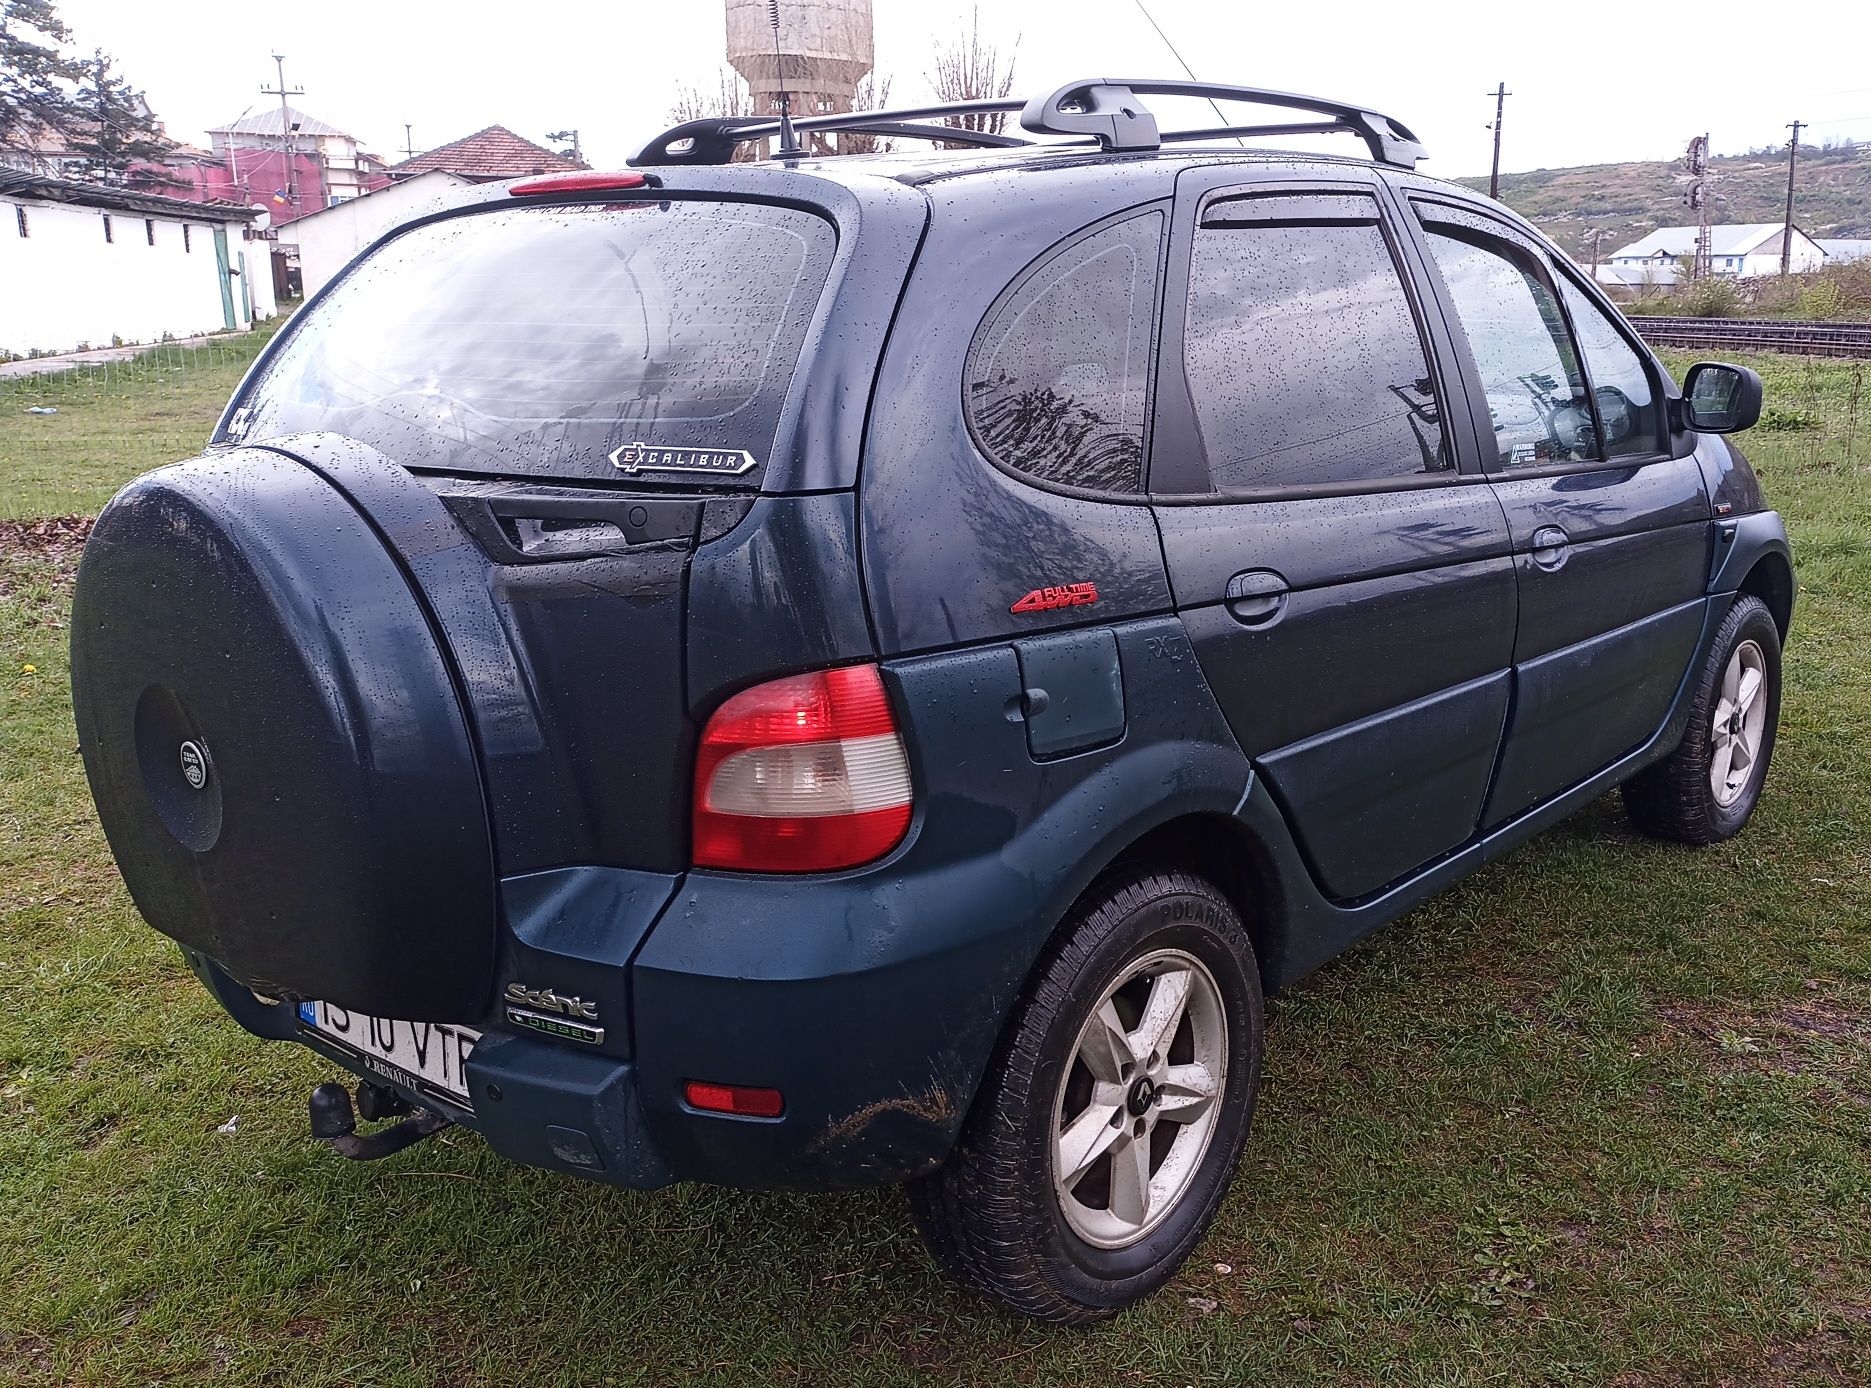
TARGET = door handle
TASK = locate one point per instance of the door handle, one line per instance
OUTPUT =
(1550, 547)
(1257, 597)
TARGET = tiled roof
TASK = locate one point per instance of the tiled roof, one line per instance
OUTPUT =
(495, 152)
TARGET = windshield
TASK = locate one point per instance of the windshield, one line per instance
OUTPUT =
(538, 341)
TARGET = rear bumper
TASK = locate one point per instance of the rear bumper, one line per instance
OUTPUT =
(871, 1002)
(534, 1101)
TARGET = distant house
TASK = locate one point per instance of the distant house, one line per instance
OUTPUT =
(487, 156)
(1740, 249)
(326, 165)
(328, 239)
(88, 264)
(1843, 252)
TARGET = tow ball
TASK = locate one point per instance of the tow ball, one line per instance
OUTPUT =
(335, 1124)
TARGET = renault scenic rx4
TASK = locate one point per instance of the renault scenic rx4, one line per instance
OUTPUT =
(845, 668)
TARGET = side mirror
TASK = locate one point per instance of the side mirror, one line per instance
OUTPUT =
(1721, 399)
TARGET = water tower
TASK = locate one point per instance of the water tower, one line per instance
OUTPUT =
(820, 51)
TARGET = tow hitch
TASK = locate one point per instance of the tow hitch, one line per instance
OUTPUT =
(335, 1124)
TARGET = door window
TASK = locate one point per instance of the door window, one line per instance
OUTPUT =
(1058, 378)
(1621, 380)
(1535, 390)
(1302, 355)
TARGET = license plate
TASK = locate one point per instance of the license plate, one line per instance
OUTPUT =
(417, 1055)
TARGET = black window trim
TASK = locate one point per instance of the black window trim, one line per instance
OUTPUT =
(1183, 399)
(1141, 497)
(1544, 264)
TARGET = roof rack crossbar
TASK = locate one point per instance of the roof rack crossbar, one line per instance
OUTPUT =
(1108, 109)
(712, 140)
(1229, 132)
(1104, 110)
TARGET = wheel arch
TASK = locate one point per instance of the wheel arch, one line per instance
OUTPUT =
(1752, 556)
(1771, 580)
(1221, 850)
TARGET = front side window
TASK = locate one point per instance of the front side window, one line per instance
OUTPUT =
(1302, 356)
(1058, 379)
(1621, 381)
(1535, 390)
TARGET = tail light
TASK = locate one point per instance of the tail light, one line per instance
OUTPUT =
(803, 774)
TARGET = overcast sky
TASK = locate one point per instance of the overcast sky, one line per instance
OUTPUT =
(1614, 82)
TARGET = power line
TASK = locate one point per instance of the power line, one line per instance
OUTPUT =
(1174, 53)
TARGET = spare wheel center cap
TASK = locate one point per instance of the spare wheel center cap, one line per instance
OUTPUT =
(194, 758)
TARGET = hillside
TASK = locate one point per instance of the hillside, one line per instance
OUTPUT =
(1833, 196)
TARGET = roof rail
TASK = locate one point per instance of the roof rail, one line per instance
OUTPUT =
(1097, 109)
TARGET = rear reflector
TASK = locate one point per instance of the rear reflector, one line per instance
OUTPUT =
(740, 1099)
(803, 774)
(577, 183)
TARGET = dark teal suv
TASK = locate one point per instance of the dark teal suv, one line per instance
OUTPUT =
(844, 669)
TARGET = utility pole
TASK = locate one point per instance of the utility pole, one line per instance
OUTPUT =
(578, 151)
(1500, 95)
(1786, 232)
(282, 91)
(409, 143)
(1597, 234)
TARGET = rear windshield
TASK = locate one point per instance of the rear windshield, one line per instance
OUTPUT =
(537, 341)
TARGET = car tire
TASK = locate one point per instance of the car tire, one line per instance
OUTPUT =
(1121, 1105)
(1699, 794)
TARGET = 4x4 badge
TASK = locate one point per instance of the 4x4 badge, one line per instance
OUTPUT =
(1062, 595)
(642, 457)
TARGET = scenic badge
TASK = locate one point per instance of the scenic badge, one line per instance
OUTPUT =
(634, 458)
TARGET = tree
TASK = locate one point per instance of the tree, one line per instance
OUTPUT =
(115, 130)
(730, 98)
(970, 70)
(873, 94)
(35, 76)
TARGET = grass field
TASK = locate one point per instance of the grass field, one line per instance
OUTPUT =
(1600, 1115)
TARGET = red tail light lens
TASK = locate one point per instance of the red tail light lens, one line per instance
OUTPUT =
(803, 774)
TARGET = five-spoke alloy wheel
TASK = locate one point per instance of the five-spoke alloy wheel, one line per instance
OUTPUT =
(1739, 724)
(1706, 789)
(1107, 1129)
(1137, 1105)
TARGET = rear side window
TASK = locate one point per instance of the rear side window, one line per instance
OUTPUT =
(1302, 355)
(1057, 380)
(543, 341)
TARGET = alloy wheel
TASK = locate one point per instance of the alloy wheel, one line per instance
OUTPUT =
(1137, 1106)
(1739, 723)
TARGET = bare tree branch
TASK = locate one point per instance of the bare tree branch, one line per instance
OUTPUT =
(968, 69)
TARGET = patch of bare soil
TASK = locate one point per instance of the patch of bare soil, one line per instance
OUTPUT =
(58, 538)
(1815, 1036)
(1831, 1355)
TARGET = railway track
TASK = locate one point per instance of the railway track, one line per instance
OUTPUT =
(1758, 335)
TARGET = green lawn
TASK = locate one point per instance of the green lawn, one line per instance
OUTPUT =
(1601, 1114)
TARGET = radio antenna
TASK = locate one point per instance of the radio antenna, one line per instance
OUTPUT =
(789, 138)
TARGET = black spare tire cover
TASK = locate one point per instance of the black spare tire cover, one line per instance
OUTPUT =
(275, 743)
